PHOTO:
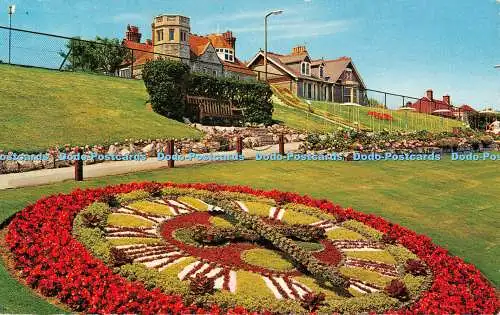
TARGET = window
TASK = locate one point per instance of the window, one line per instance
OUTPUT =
(215, 73)
(305, 68)
(159, 35)
(183, 36)
(348, 75)
(320, 71)
(228, 55)
(171, 34)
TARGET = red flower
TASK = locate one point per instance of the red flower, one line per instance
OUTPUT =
(52, 261)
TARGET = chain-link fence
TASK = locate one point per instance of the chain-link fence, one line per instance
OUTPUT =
(337, 103)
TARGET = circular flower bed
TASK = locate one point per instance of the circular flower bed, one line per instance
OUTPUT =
(186, 248)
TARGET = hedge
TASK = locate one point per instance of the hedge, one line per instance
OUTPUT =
(169, 82)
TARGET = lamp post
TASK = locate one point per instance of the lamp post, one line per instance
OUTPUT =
(276, 12)
(12, 10)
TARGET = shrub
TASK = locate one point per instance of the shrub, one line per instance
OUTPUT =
(253, 97)
(201, 285)
(416, 267)
(312, 301)
(397, 289)
(486, 140)
(94, 216)
(166, 82)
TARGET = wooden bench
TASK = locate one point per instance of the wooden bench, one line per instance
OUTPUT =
(204, 107)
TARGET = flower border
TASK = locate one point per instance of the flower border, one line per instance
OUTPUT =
(56, 264)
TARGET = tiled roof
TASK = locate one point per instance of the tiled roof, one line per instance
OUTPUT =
(293, 58)
(218, 41)
(237, 66)
(334, 68)
(142, 52)
(198, 44)
(282, 62)
(466, 108)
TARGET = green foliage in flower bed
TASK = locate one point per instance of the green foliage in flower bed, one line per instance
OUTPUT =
(221, 221)
(186, 235)
(93, 239)
(118, 219)
(415, 284)
(133, 240)
(366, 275)
(343, 234)
(349, 140)
(88, 228)
(175, 192)
(132, 196)
(374, 302)
(279, 249)
(309, 211)
(194, 202)
(380, 256)
(151, 207)
(95, 215)
(310, 246)
(296, 217)
(258, 208)
(363, 229)
(253, 294)
(267, 258)
(401, 254)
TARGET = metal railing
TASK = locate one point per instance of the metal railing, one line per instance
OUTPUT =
(42, 50)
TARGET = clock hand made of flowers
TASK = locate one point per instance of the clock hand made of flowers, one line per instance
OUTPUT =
(227, 248)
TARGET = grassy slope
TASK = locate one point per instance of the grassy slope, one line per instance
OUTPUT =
(402, 120)
(300, 120)
(42, 108)
(452, 202)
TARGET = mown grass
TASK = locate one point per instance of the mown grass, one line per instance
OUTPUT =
(402, 120)
(301, 120)
(42, 108)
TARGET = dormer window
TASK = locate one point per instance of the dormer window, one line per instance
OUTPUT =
(225, 54)
(305, 68)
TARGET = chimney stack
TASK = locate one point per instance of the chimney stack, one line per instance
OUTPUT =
(430, 94)
(133, 34)
(446, 99)
(228, 36)
(298, 50)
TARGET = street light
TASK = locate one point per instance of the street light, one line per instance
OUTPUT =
(276, 12)
(12, 10)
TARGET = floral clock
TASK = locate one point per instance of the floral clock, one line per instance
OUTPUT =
(159, 248)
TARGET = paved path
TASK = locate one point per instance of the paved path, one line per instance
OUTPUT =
(47, 176)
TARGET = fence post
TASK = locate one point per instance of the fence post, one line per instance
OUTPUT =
(282, 144)
(239, 145)
(79, 165)
(170, 153)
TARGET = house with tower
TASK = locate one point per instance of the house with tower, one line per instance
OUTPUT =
(212, 54)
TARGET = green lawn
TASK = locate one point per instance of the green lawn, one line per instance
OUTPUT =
(42, 108)
(301, 120)
(455, 203)
(402, 120)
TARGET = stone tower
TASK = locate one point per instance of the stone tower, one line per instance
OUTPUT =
(171, 36)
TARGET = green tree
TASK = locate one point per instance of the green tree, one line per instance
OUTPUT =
(102, 55)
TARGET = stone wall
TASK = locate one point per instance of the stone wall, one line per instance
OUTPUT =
(216, 139)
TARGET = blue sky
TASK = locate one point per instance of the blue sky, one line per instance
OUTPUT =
(401, 46)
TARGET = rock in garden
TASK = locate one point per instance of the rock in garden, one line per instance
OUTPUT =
(112, 150)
